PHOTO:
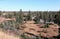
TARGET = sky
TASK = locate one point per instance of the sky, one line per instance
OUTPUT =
(33, 5)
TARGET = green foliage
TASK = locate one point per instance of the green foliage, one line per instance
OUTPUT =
(19, 18)
(24, 36)
(8, 25)
(0, 13)
(29, 16)
(37, 20)
(14, 14)
(8, 16)
(1, 26)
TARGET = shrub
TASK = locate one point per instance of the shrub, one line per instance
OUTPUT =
(37, 20)
(23, 36)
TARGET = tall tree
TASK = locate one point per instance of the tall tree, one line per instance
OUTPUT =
(29, 16)
(0, 13)
(37, 18)
(19, 17)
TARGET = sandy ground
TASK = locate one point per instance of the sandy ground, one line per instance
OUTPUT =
(6, 36)
(36, 30)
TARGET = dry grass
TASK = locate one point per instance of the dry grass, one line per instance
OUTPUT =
(4, 35)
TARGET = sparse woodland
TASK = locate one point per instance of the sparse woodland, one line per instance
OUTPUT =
(20, 18)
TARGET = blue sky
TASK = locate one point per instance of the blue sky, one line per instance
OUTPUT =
(33, 5)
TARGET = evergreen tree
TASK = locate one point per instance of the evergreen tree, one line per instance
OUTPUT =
(29, 17)
(14, 14)
(37, 19)
(0, 13)
(19, 17)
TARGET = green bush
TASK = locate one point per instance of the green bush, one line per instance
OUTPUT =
(23, 36)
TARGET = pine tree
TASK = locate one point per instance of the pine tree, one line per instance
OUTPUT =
(19, 17)
(29, 17)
